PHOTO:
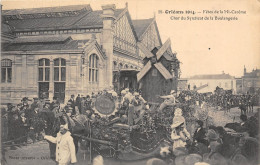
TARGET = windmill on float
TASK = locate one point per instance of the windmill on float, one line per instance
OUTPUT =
(160, 72)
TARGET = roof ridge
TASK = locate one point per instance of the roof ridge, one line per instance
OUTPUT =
(46, 7)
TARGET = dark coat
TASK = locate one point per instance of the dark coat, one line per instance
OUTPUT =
(200, 136)
(72, 102)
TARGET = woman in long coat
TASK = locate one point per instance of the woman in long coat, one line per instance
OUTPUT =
(65, 148)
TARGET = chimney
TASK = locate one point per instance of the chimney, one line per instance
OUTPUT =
(107, 40)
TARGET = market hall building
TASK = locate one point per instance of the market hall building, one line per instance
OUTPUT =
(59, 51)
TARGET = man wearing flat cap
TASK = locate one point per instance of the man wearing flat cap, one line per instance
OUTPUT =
(65, 148)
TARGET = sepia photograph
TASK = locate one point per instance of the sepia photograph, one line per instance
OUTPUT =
(130, 82)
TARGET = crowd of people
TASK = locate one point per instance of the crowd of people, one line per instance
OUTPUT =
(225, 100)
(212, 145)
(25, 120)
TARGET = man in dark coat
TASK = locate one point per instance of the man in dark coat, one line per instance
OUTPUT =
(200, 133)
(73, 102)
(35, 103)
(78, 102)
(55, 101)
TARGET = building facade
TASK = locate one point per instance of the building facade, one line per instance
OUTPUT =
(59, 51)
(210, 82)
(251, 81)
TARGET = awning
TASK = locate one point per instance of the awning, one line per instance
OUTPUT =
(166, 74)
(145, 69)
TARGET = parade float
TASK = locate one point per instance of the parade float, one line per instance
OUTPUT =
(139, 132)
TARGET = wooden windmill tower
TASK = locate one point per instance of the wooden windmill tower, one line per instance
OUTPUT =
(160, 72)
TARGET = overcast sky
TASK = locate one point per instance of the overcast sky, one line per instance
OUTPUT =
(203, 47)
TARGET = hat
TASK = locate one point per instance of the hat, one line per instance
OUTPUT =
(177, 121)
(114, 94)
(25, 99)
(123, 92)
(126, 89)
(65, 126)
(212, 135)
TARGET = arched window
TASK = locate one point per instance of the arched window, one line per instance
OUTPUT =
(131, 66)
(44, 70)
(6, 71)
(59, 69)
(126, 66)
(93, 68)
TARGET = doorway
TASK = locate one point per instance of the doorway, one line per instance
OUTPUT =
(43, 90)
(59, 90)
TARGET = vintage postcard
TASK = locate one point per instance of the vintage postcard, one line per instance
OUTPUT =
(133, 82)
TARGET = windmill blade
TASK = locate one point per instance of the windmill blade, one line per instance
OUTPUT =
(142, 47)
(164, 47)
(166, 74)
(145, 69)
